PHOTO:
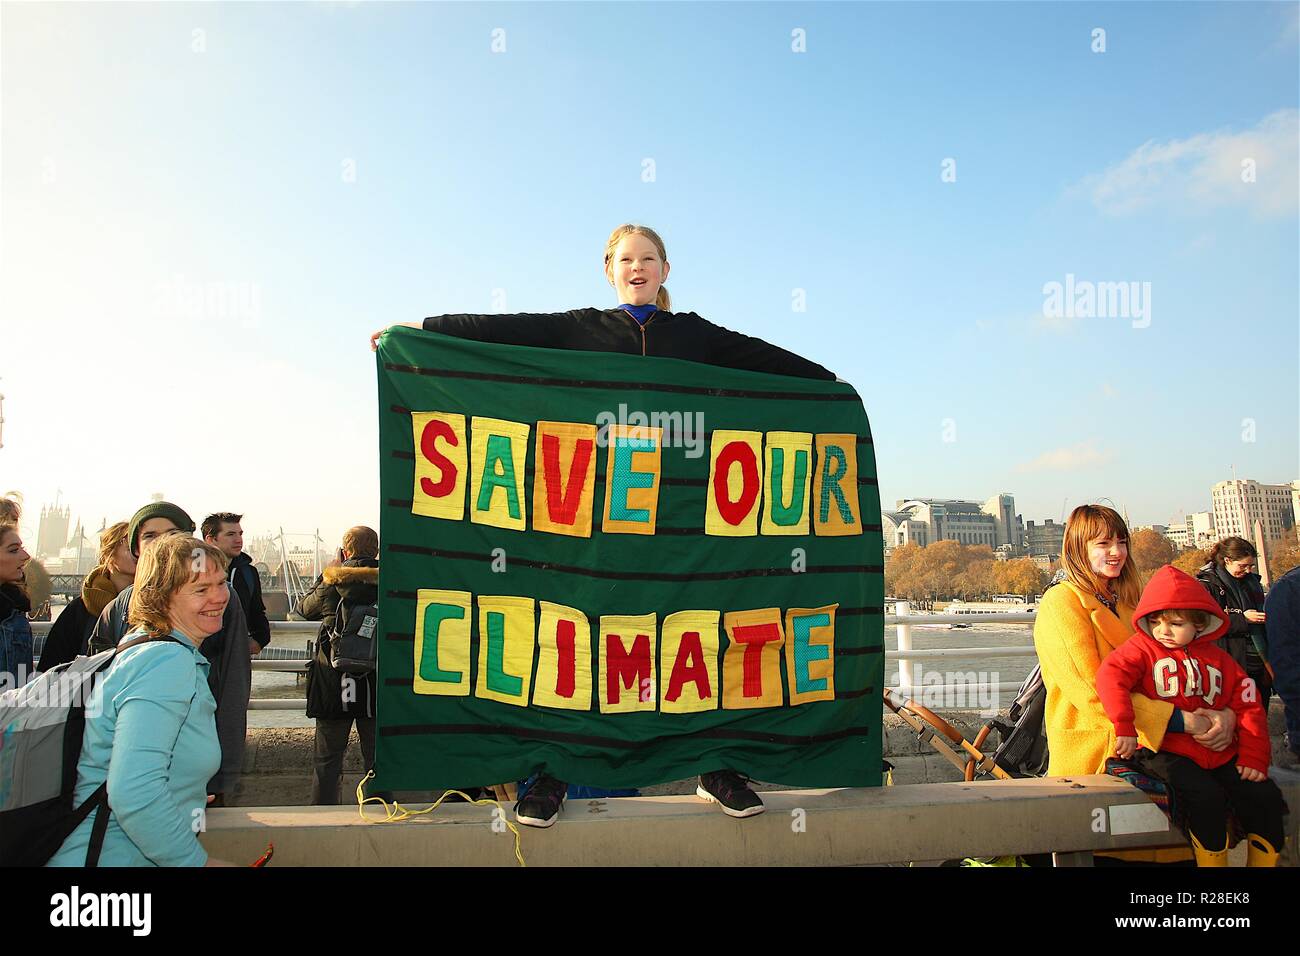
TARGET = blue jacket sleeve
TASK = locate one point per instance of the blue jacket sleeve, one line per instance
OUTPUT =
(1282, 622)
(150, 712)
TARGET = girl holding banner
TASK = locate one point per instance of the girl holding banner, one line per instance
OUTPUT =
(636, 266)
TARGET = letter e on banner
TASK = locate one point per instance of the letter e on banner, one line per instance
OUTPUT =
(632, 469)
(810, 653)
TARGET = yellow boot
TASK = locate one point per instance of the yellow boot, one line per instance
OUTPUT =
(1259, 852)
(1206, 857)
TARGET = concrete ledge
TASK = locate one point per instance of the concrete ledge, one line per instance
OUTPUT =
(801, 827)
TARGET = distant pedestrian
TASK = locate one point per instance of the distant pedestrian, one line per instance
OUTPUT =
(230, 676)
(224, 531)
(1229, 575)
(1283, 623)
(15, 633)
(113, 572)
(334, 698)
(1172, 657)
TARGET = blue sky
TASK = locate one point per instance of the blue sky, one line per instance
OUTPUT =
(147, 167)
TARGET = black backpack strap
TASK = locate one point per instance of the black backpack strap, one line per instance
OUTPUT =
(99, 801)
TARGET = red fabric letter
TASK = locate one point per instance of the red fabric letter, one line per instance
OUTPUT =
(689, 666)
(563, 510)
(432, 432)
(566, 666)
(754, 636)
(631, 668)
(733, 512)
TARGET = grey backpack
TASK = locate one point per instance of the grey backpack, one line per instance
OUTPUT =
(41, 728)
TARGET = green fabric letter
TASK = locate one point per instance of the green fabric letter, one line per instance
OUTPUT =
(498, 454)
(434, 615)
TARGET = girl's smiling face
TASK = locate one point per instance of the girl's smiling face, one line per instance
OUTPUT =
(636, 271)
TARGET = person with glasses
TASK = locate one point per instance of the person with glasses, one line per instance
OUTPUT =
(1229, 575)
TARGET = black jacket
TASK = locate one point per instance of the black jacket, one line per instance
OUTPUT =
(679, 335)
(1237, 642)
(69, 635)
(246, 582)
(357, 582)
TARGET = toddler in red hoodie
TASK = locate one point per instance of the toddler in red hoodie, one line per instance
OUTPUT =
(1173, 656)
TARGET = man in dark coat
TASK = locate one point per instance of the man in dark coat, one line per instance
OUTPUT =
(334, 698)
(1282, 613)
(224, 532)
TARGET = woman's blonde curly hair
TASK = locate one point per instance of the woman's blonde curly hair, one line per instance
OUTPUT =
(166, 565)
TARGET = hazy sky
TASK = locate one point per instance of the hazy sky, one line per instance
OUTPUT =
(206, 208)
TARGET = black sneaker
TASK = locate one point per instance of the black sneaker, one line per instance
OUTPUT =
(541, 805)
(730, 791)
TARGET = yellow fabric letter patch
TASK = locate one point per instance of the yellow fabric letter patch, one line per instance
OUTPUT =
(751, 665)
(627, 664)
(835, 489)
(810, 653)
(735, 484)
(563, 658)
(500, 453)
(505, 649)
(632, 468)
(787, 478)
(564, 478)
(440, 473)
(688, 662)
(442, 648)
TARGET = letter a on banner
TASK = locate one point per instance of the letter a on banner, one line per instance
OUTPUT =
(688, 662)
(810, 653)
(735, 484)
(440, 476)
(835, 490)
(564, 478)
(563, 658)
(627, 664)
(789, 472)
(632, 470)
(751, 666)
(505, 649)
(442, 628)
(500, 452)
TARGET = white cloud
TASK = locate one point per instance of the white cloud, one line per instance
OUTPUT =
(1070, 458)
(1206, 171)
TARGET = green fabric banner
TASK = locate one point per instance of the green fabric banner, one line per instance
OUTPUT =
(622, 570)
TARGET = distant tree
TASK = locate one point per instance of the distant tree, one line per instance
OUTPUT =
(1149, 551)
(1283, 554)
(1191, 561)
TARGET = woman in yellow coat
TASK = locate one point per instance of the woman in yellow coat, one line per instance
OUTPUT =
(1078, 623)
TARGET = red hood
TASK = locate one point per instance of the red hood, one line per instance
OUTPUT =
(1171, 588)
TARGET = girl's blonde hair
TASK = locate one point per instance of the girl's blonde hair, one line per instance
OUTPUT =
(1091, 523)
(109, 539)
(662, 299)
(166, 566)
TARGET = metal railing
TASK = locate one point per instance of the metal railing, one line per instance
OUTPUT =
(295, 660)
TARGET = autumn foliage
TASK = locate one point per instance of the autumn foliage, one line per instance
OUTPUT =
(949, 569)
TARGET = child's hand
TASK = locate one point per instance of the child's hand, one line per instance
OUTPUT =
(1254, 776)
(1125, 747)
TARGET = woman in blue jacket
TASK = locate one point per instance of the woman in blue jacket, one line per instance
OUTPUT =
(151, 736)
(636, 265)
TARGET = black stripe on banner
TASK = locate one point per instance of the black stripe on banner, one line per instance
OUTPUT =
(847, 611)
(854, 651)
(868, 481)
(641, 575)
(408, 638)
(850, 694)
(403, 595)
(613, 743)
(630, 386)
(404, 455)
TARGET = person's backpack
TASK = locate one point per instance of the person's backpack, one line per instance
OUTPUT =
(1022, 734)
(352, 638)
(42, 725)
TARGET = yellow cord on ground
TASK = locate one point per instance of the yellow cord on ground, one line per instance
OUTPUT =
(397, 813)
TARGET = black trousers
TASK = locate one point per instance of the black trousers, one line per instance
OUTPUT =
(1204, 798)
(331, 745)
